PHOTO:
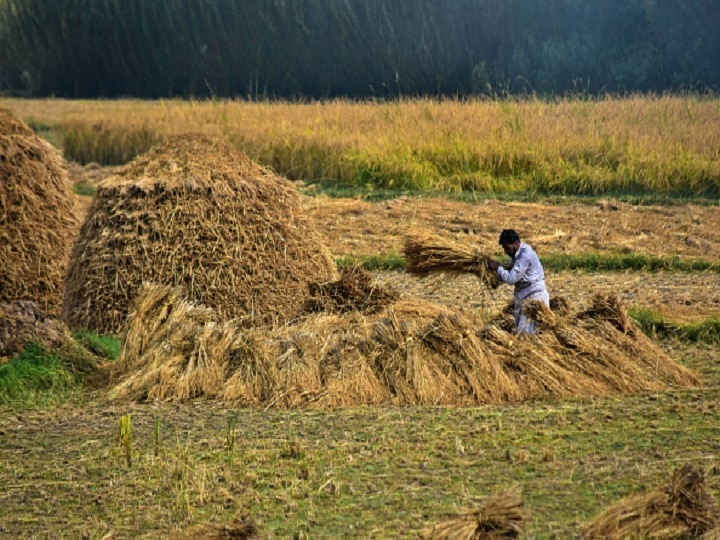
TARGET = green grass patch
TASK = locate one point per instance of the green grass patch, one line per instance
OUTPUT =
(100, 345)
(36, 378)
(388, 261)
(655, 325)
(590, 262)
(595, 262)
(84, 190)
(374, 194)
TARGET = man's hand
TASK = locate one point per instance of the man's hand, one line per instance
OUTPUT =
(492, 265)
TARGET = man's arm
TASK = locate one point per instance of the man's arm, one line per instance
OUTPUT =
(517, 272)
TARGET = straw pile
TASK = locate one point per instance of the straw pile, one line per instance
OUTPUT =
(426, 253)
(410, 352)
(682, 508)
(501, 516)
(243, 528)
(37, 218)
(195, 213)
(354, 291)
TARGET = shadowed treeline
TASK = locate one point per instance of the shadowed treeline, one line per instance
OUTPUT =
(356, 48)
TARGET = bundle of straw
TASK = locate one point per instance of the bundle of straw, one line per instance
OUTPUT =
(501, 516)
(682, 508)
(427, 252)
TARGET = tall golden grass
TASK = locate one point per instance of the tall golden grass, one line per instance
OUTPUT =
(659, 144)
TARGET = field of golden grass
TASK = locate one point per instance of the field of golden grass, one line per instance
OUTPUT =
(661, 144)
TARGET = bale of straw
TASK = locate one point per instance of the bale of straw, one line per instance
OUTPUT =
(501, 516)
(37, 218)
(354, 291)
(426, 252)
(681, 508)
(242, 528)
(172, 349)
(194, 212)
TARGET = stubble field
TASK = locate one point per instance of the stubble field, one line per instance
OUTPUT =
(391, 472)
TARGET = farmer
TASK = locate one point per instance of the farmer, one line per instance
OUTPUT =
(526, 274)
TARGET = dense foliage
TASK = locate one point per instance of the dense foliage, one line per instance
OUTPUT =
(356, 48)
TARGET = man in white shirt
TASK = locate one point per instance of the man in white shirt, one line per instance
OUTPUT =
(526, 274)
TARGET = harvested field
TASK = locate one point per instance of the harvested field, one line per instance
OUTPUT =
(220, 469)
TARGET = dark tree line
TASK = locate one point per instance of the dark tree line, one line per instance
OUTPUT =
(356, 48)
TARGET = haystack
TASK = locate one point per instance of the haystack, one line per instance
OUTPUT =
(411, 352)
(37, 218)
(426, 252)
(501, 516)
(682, 508)
(195, 213)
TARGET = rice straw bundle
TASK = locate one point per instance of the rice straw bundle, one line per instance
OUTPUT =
(682, 508)
(426, 252)
(502, 516)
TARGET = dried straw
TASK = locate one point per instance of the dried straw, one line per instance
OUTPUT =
(411, 352)
(243, 528)
(193, 212)
(37, 218)
(682, 508)
(354, 291)
(501, 516)
(426, 252)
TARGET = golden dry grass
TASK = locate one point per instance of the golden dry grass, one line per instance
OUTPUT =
(37, 218)
(659, 143)
(681, 508)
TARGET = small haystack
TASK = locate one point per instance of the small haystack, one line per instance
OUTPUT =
(243, 528)
(426, 253)
(195, 213)
(682, 508)
(37, 218)
(354, 291)
(501, 516)
(411, 352)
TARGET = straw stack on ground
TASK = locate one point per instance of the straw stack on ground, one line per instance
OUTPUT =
(37, 218)
(354, 291)
(426, 253)
(243, 528)
(195, 213)
(682, 508)
(501, 516)
(408, 353)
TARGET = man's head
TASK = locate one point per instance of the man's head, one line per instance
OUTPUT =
(510, 242)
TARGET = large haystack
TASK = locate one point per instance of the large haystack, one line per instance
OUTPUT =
(195, 213)
(681, 508)
(37, 218)
(410, 352)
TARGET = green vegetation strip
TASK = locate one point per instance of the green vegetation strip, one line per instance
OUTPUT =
(590, 262)
(332, 189)
(36, 378)
(654, 325)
